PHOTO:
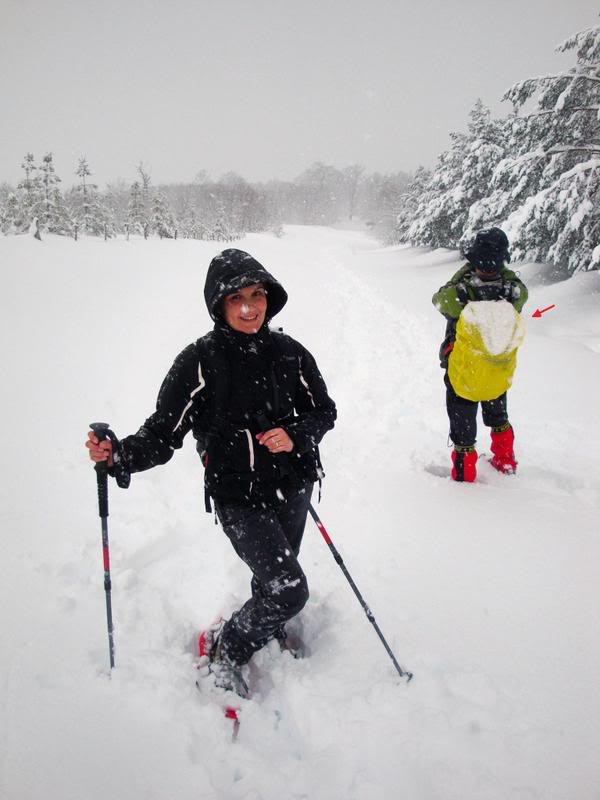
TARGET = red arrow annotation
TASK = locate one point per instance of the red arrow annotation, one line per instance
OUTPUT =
(538, 313)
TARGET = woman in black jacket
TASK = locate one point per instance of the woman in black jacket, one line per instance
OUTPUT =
(258, 407)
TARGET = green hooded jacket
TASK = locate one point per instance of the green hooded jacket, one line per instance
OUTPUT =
(464, 286)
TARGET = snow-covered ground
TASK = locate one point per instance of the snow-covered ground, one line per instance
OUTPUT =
(487, 592)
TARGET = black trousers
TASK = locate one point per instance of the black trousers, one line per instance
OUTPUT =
(462, 414)
(267, 538)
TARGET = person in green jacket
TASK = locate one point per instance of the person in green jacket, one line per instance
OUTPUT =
(485, 276)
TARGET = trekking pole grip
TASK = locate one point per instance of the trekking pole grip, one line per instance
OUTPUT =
(101, 430)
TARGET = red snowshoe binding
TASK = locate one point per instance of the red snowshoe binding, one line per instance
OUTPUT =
(502, 447)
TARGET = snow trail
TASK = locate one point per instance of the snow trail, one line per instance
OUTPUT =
(487, 592)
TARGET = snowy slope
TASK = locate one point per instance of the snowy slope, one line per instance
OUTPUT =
(487, 592)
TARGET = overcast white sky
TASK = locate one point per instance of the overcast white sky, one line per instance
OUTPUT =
(261, 87)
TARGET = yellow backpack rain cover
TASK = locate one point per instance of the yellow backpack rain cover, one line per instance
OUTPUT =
(484, 357)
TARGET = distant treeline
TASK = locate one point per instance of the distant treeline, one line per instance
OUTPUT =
(221, 210)
(535, 173)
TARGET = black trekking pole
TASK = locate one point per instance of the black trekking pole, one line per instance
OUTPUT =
(102, 431)
(403, 673)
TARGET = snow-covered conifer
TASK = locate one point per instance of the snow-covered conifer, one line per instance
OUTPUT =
(137, 216)
(29, 194)
(116, 201)
(459, 180)
(408, 203)
(54, 217)
(545, 192)
(436, 215)
(145, 215)
(187, 220)
(162, 221)
(11, 215)
(89, 215)
(221, 230)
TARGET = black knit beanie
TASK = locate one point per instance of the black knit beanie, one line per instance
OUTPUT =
(489, 251)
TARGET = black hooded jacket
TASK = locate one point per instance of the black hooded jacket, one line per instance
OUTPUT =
(228, 386)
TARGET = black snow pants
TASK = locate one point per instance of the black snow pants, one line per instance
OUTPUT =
(267, 538)
(463, 415)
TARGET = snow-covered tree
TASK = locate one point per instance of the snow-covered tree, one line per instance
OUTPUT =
(387, 201)
(408, 202)
(29, 194)
(162, 221)
(11, 215)
(145, 196)
(235, 200)
(54, 217)
(88, 212)
(460, 179)
(187, 219)
(436, 215)
(222, 228)
(545, 192)
(137, 215)
(116, 201)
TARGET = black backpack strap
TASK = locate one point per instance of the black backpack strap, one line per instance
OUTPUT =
(283, 343)
(285, 347)
(217, 370)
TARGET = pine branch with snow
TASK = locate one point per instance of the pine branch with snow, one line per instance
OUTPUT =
(460, 179)
(558, 146)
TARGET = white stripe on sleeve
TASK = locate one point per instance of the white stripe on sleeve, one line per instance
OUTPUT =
(201, 385)
(305, 384)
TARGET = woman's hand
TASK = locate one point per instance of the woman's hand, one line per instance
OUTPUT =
(99, 451)
(276, 441)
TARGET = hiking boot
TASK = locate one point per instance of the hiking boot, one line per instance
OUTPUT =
(502, 447)
(227, 674)
(464, 464)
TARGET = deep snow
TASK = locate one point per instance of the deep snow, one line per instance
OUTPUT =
(488, 592)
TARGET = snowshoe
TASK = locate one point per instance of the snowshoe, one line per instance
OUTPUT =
(227, 675)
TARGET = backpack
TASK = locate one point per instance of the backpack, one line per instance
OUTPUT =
(484, 357)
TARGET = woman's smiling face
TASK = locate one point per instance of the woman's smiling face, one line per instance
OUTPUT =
(245, 310)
